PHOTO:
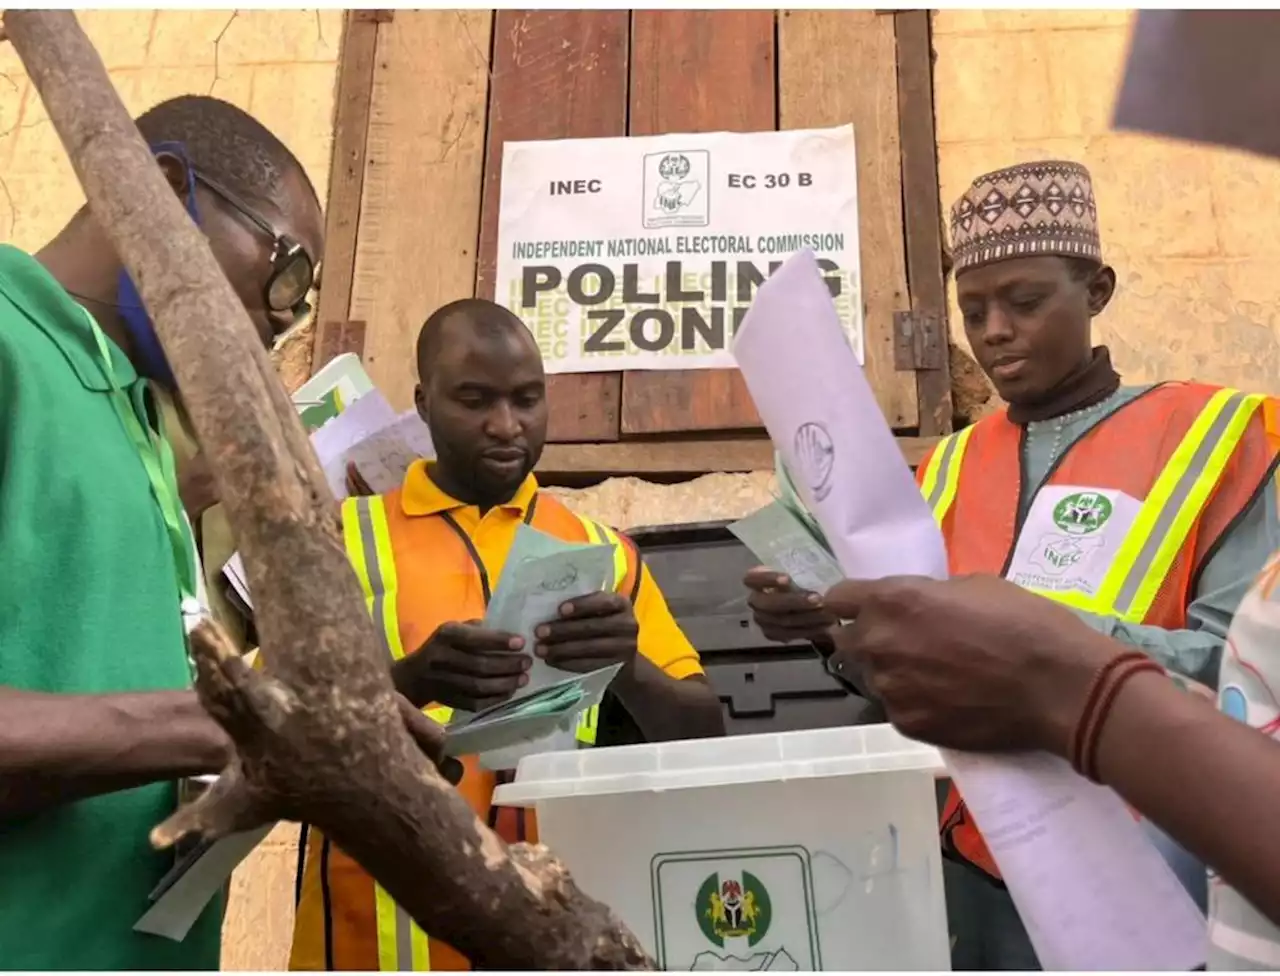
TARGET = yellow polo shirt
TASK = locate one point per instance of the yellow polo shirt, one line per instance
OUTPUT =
(493, 533)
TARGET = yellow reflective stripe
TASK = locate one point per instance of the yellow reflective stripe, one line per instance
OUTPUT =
(441, 714)
(388, 961)
(942, 476)
(1174, 504)
(588, 720)
(930, 480)
(600, 535)
(355, 546)
(619, 557)
(402, 946)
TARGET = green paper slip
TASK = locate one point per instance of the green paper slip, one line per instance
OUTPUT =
(530, 718)
(783, 542)
(173, 913)
(542, 573)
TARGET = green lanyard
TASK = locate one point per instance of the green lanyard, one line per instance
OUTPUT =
(157, 459)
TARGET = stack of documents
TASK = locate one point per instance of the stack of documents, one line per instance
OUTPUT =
(541, 574)
(1092, 890)
(364, 431)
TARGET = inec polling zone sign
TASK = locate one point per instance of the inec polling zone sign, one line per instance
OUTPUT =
(645, 253)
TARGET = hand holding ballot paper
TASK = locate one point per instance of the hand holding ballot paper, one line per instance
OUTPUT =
(1093, 892)
(542, 575)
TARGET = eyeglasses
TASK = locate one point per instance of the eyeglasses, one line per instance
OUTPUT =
(292, 270)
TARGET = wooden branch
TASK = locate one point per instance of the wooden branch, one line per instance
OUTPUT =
(320, 737)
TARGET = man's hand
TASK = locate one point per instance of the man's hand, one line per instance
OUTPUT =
(592, 632)
(463, 665)
(974, 663)
(783, 611)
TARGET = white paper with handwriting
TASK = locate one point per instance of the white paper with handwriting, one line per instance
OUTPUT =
(1092, 890)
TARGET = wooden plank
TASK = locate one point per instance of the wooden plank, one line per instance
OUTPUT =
(557, 74)
(420, 206)
(839, 66)
(346, 179)
(923, 208)
(687, 457)
(697, 71)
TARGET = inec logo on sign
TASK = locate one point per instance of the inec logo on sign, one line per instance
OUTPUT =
(1082, 512)
(733, 909)
(676, 190)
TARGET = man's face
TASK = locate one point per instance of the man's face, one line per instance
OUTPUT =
(244, 249)
(1027, 320)
(486, 406)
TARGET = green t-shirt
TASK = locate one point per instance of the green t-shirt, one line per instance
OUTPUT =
(88, 604)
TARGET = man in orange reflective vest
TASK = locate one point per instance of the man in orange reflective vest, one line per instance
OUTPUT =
(428, 555)
(1147, 509)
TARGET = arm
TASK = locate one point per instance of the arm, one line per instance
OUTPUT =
(1236, 772)
(664, 688)
(1227, 575)
(977, 663)
(57, 749)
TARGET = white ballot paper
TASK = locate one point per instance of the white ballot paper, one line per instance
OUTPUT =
(369, 433)
(541, 573)
(1092, 890)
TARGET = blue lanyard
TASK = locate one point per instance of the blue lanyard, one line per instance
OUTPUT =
(157, 459)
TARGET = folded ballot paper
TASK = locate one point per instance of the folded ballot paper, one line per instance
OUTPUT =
(541, 573)
(1092, 890)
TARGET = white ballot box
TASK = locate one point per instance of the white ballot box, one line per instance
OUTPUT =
(806, 850)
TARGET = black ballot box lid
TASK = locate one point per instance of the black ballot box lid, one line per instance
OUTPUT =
(764, 686)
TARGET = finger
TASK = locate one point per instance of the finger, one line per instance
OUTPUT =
(589, 628)
(784, 601)
(762, 578)
(594, 605)
(798, 624)
(581, 656)
(483, 664)
(468, 688)
(472, 638)
(482, 704)
(848, 598)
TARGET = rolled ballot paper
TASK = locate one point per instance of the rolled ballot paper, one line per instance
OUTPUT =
(1091, 889)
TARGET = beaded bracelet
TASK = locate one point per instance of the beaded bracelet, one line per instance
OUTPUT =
(1116, 679)
(1075, 751)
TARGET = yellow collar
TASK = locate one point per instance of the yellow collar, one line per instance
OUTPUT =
(421, 496)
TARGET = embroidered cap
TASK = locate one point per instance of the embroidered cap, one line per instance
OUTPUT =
(1023, 211)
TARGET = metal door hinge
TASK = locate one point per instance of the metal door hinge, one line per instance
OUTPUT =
(919, 341)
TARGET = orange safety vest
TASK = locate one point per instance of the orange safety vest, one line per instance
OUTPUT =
(1194, 457)
(419, 573)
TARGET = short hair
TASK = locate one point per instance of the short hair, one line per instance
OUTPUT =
(227, 144)
(1082, 269)
(482, 317)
